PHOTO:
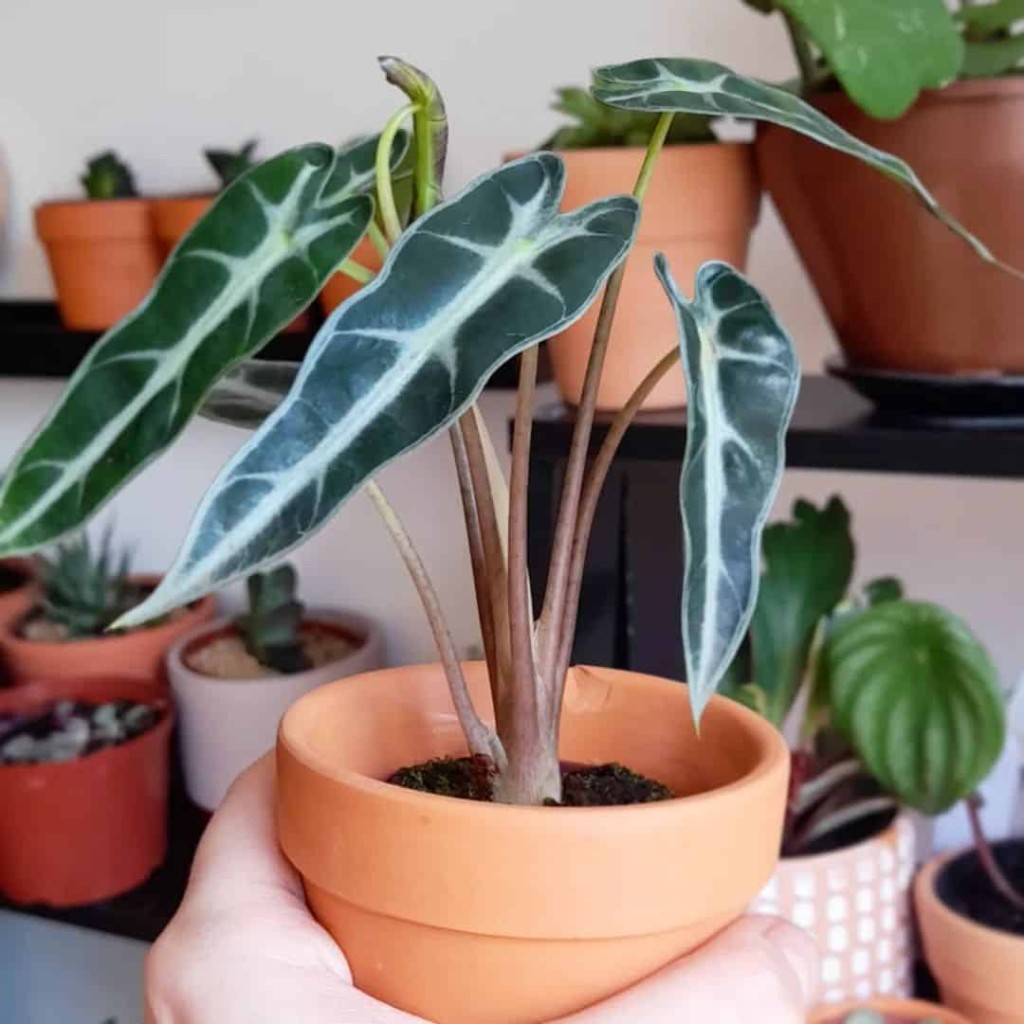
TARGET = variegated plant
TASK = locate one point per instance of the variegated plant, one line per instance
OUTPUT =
(469, 283)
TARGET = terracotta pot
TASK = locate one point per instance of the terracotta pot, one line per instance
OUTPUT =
(175, 216)
(902, 292)
(85, 830)
(702, 205)
(980, 970)
(855, 902)
(15, 602)
(475, 913)
(103, 258)
(225, 724)
(139, 653)
(905, 1009)
(340, 287)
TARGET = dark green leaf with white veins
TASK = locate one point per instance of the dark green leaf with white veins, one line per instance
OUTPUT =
(254, 261)
(917, 695)
(742, 380)
(475, 281)
(704, 87)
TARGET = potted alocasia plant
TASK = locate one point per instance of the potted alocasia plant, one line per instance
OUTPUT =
(102, 253)
(852, 677)
(511, 888)
(701, 205)
(233, 679)
(940, 88)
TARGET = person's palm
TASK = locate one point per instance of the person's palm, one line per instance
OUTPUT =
(243, 949)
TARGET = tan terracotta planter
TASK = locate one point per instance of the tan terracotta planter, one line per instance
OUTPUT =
(340, 287)
(980, 970)
(89, 829)
(15, 602)
(474, 913)
(103, 257)
(139, 654)
(901, 291)
(905, 1009)
(226, 724)
(702, 205)
(855, 902)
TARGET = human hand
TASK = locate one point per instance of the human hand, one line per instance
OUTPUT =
(244, 949)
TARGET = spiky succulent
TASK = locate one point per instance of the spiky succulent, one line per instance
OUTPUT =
(228, 164)
(272, 628)
(108, 177)
(84, 588)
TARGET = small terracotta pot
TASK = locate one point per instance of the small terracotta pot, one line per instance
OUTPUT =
(462, 912)
(980, 970)
(85, 830)
(906, 1009)
(15, 602)
(702, 205)
(139, 653)
(340, 287)
(855, 902)
(226, 724)
(175, 216)
(103, 255)
(902, 292)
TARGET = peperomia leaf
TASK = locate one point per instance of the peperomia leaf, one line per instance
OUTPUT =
(475, 281)
(993, 57)
(703, 87)
(808, 564)
(1000, 16)
(882, 51)
(253, 262)
(742, 380)
(916, 694)
(247, 395)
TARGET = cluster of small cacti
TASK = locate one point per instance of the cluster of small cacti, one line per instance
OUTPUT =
(272, 628)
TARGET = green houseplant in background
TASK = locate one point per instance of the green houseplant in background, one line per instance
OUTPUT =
(946, 83)
(472, 281)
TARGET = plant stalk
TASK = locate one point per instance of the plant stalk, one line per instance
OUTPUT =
(986, 857)
(382, 170)
(378, 240)
(356, 271)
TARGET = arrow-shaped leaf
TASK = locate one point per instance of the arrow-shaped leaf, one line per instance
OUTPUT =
(253, 262)
(742, 380)
(704, 87)
(472, 283)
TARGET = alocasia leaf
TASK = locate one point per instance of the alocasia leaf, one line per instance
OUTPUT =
(742, 380)
(703, 87)
(917, 696)
(469, 285)
(254, 261)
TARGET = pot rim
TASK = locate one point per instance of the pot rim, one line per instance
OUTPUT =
(853, 850)
(918, 1008)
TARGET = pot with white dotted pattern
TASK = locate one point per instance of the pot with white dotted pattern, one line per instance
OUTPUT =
(855, 903)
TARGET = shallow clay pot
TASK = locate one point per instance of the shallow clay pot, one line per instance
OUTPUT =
(474, 913)
(702, 205)
(139, 653)
(340, 287)
(906, 1009)
(225, 724)
(855, 902)
(103, 255)
(15, 602)
(902, 292)
(85, 830)
(980, 971)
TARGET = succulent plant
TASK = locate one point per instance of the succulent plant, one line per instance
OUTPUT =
(271, 630)
(228, 164)
(108, 177)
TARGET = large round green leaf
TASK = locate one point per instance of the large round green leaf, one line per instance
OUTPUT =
(916, 694)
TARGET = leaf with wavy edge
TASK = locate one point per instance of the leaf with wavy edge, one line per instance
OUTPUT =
(469, 285)
(251, 264)
(703, 87)
(742, 380)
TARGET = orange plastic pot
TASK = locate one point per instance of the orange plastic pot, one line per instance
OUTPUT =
(103, 258)
(139, 653)
(702, 205)
(16, 601)
(476, 913)
(902, 1009)
(340, 287)
(84, 830)
(902, 292)
(980, 970)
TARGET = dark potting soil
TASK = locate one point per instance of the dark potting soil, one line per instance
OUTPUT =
(964, 887)
(10, 579)
(469, 778)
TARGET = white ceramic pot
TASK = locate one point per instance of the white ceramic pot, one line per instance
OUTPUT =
(226, 724)
(855, 903)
